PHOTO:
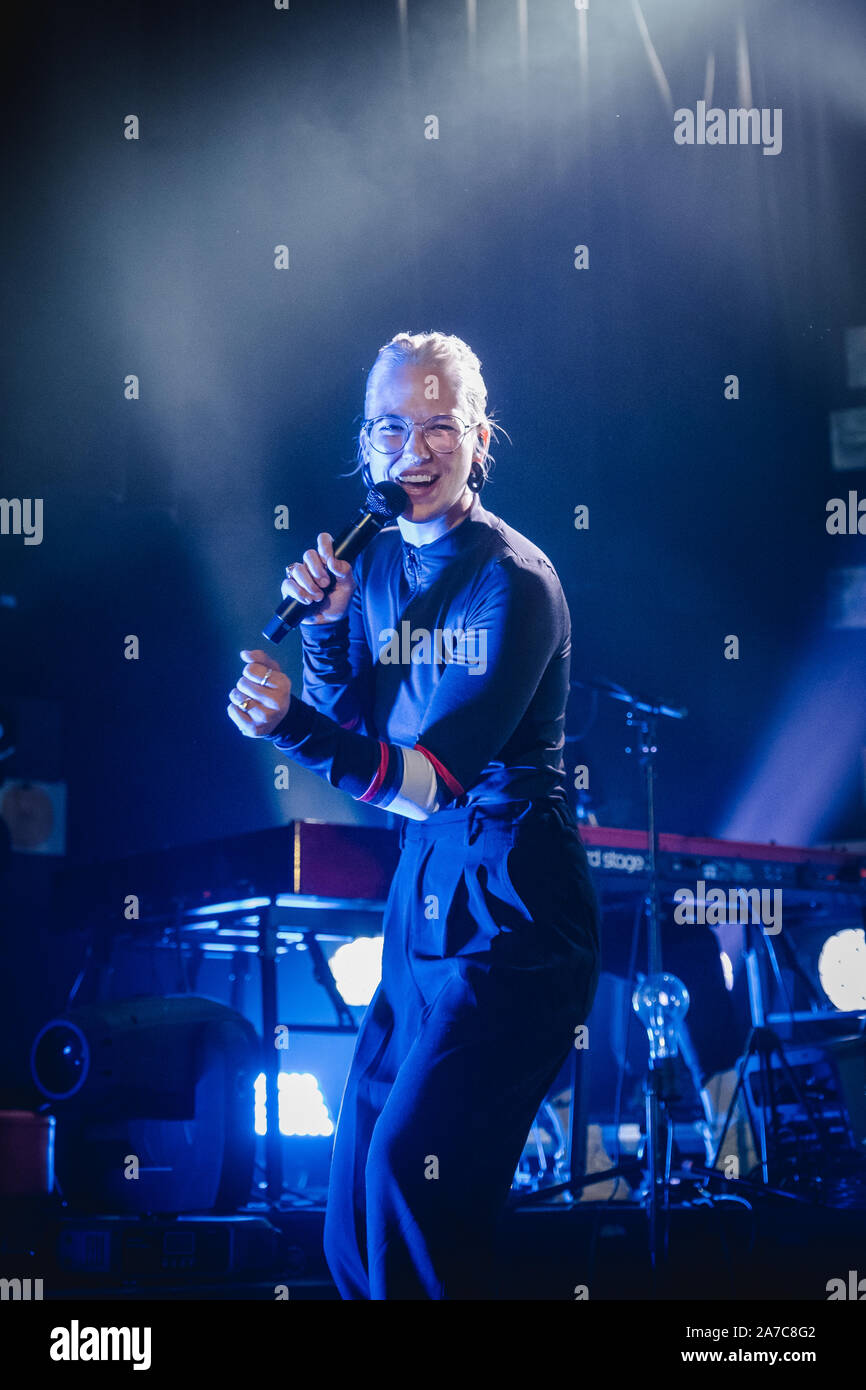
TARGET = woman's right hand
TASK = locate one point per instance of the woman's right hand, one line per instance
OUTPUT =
(307, 578)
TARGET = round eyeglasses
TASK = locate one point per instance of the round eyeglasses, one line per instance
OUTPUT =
(388, 434)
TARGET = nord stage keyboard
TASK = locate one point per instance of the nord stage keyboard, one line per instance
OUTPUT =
(619, 859)
(317, 859)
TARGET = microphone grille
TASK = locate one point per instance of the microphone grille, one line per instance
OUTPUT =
(387, 500)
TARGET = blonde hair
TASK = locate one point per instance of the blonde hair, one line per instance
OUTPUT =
(444, 350)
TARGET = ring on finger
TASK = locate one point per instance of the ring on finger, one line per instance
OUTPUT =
(245, 704)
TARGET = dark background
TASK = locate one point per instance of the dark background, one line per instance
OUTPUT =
(155, 257)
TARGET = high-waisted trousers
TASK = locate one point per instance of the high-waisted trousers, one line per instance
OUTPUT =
(490, 964)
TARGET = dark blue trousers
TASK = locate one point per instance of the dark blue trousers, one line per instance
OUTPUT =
(490, 963)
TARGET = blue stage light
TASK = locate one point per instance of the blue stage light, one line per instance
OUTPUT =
(357, 969)
(842, 968)
(302, 1107)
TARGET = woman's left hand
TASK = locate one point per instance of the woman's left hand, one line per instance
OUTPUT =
(260, 700)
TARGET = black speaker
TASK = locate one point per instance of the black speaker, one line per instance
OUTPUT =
(154, 1099)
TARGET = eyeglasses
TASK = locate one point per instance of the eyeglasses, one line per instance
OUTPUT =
(388, 434)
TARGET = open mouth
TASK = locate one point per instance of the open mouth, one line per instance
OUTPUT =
(417, 482)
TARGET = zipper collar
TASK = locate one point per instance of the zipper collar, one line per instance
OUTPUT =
(429, 558)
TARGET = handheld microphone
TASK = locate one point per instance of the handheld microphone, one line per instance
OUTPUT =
(383, 505)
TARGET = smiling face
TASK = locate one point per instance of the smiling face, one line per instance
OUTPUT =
(435, 482)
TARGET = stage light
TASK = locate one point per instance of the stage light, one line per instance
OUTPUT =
(61, 1059)
(842, 968)
(158, 1080)
(357, 969)
(301, 1106)
(260, 1114)
(727, 969)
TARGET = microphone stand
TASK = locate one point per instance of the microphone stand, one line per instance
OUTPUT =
(642, 718)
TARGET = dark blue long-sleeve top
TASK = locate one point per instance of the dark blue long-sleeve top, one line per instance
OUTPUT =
(447, 679)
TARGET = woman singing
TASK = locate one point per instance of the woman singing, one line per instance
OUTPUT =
(435, 681)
